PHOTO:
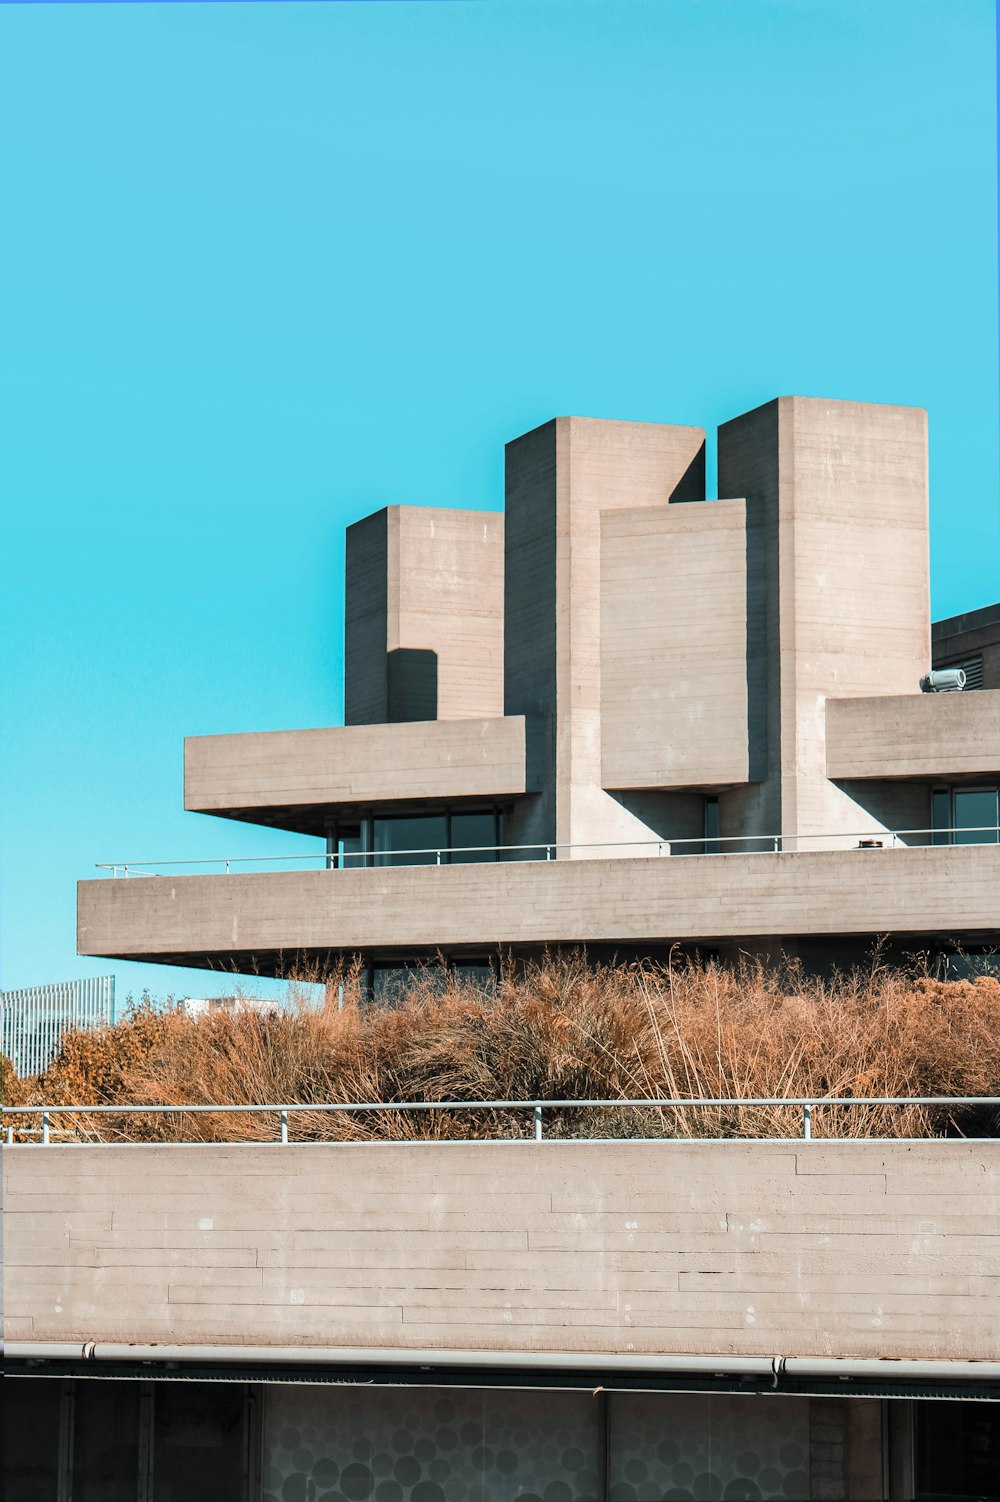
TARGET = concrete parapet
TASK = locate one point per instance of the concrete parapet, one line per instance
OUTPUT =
(886, 1249)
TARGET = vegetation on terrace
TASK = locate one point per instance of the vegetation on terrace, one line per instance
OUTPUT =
(558, 1030)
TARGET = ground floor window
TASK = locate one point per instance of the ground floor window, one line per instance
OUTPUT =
(427, 1445)
(146, 1440)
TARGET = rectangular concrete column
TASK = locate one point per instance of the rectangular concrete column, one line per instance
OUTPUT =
(838, 590)
(560, 478)
(424, 616)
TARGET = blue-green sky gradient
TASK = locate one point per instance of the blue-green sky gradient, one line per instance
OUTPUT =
(270, 266)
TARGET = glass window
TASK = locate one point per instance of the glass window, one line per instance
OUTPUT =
(31, 1438)
(958, 1450)
(976, 816)
(410, 1442)
(708, 1445)
(199, 1441)
(106, 1441)
(712, 846)
(473, 837)
(941, 816)
(477, 973)
(391, 983)
(394, 838)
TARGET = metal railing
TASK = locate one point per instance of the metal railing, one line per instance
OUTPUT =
(806, 1105)
(749, 844)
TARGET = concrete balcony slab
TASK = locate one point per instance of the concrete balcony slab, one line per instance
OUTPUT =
(267, 920)
(289, 778)
(914, 735)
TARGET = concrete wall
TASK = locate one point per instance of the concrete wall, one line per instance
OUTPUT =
(424, 616)
(914, 735)
(560, 478)
(293, 770)
(759, 1248)
(838, 491)
(673, 643)
(976, 633)
(947, 890)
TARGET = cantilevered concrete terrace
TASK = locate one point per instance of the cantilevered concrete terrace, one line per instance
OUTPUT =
(272, 921)
(294, 778)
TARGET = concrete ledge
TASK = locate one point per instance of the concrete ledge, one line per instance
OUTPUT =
(837, 1249)
(914, 735)
(291, 770)
(220, 920)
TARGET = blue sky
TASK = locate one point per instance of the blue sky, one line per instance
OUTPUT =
(270, 266)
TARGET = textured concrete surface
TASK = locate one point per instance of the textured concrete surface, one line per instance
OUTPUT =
(674, 647)
(560, 478)
(285, 773)
(837, 506)
(915, 735)
(951, 890)
(424, 616)
(775, 1248)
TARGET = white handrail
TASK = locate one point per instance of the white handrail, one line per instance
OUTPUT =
(775, 844)
(807, 1104)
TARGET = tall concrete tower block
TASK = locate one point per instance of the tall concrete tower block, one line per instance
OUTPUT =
(423, 635)
(838, 591)
(560, 479)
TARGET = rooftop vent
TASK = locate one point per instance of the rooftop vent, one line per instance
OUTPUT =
(943, 681)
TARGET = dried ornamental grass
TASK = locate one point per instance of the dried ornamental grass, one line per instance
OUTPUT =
(561, 1029)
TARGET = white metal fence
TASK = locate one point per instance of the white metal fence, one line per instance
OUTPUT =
(36, 1017)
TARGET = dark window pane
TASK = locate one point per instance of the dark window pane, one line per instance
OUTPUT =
(473, 837)
(941, 815)
(199, 1442)
(106, 1441)
(390, 983)
(477, 973)
(712, 846)
(973, 810)
(958, 1451)
(394, 837)
(31, 1438)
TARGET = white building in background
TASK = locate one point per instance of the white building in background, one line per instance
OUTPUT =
(203, 1006)
(35, 1018)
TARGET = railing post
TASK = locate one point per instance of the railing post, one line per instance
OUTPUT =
(548, 852)
(807, 1127)
(438, 854)
(284, 1126)
(538, 1123)
(777, 839)
(45, 1126)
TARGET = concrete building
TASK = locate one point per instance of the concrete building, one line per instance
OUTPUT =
(626, 717)
(567, 699)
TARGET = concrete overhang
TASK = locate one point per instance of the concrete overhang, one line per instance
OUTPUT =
(914, 736)
(271, 922)
(293, 778)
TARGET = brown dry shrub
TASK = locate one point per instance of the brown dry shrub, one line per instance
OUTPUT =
(560, 1030)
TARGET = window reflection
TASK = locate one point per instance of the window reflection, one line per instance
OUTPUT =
(965, 816)
(410, 841)
(448, 837)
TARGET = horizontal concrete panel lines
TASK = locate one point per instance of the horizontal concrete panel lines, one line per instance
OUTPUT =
(732, 1250)
(915, 736)
(355, 764)
(273, 917)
